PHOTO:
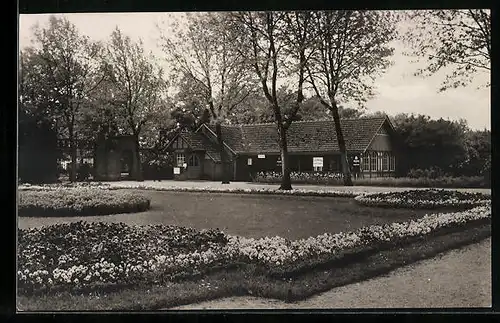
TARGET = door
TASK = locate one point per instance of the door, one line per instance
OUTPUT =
(126, 164)
(194, 167)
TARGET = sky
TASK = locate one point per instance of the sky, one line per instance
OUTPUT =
(397, 90)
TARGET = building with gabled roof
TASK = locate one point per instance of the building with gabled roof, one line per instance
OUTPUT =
(312, 146)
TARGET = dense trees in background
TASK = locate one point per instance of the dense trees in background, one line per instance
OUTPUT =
(447, 147)
(67, 69)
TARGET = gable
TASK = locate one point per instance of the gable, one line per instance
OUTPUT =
(179, 143)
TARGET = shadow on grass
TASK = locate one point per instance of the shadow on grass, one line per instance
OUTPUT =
(246, 281)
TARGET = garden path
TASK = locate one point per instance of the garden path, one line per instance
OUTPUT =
(457, 278)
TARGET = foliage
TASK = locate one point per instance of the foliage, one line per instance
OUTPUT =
(427, 199)
(37, 151)
(211, 70)
(276, 45)
(138, 91)
(427, 143)
(433, 172)
(84, 172)
(79, 202)
(457, 40)
(67, 68)
(82, 254)
(266, 191)
(351, 49)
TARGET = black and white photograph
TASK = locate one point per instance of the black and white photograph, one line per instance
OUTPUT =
(254, 160)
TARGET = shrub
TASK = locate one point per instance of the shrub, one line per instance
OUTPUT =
(79, 202)
(432, 172)
(83, 172)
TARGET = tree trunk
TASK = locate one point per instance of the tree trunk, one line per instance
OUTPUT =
(137, 161)
(225, 171)
(341, 142)
(73, 153)
(286, 182)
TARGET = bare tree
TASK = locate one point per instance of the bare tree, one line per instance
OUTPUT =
(69, 68)
(276, 46)
(205, 55)
(457, 40)
(139, 92)
(352, 48)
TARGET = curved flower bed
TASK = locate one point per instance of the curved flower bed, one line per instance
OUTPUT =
(79, 202)
(424, 199)
(264, 191)
(268, 191)
(84, 255)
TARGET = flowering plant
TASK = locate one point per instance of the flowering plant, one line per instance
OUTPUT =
(328, 178)
(296, 192)
(79, 202)
(429, 198)
(87, 255)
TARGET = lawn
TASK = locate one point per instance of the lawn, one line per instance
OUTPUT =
(248, 215)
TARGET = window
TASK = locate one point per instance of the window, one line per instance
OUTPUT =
(181, 160)
(194, 161)
(385, 162)
(365, 162)
(392, 164)
(379, 161)
(373, 162)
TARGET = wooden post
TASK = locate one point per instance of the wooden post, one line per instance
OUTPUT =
(235, 162)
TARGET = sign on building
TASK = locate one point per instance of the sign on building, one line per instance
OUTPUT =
(317, 161)
(355, 161)
(177, 170)
(261, 156)
(249, 162)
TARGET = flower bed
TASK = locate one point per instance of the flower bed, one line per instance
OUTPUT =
(296, 192)
(335, 179)
(266, 191)
(85, 255)
(428, 199)
(79, 202)
(51, 187)
(81, 255)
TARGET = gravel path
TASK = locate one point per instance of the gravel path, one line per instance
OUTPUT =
(245, 185)
(458, 278)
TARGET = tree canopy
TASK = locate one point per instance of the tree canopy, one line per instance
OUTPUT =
(457, 41)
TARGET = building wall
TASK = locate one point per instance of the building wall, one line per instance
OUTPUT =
(382, 151)
(108, 158)
(381, 142)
